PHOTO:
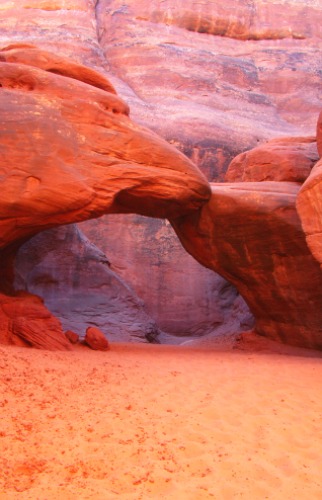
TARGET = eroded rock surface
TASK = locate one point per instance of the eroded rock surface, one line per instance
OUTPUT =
(309, 202)
(227, 76)
(251, 234)
(80, 155)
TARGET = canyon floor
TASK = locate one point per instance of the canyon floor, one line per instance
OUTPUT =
(161, 422)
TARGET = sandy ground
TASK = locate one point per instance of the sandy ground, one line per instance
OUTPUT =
(161, 422)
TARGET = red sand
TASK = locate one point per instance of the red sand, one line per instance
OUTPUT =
(160, 422)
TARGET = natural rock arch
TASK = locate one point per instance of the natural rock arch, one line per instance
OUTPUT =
(70, 153)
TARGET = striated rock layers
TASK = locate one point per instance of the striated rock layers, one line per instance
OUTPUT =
(79, 155)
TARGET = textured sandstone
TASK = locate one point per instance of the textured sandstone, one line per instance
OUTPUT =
(24, 320)
(96, 340)
(262, 19)
(251, 234)
(213, 97)
(220, 95)
(80, 156)
(309, 202)
(288, 159)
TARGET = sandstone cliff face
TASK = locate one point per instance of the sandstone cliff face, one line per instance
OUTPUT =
(221, 92)
(213, 84)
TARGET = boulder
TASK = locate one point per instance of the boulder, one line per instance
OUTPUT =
(96, 340)
(72, 337)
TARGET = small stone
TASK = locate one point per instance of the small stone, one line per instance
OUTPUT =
(72, 337)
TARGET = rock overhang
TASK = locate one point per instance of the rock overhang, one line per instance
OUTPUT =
(79, 155)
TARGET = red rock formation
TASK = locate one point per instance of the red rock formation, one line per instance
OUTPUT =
(79, 154)
(288, 159)
(242, 20)
(96, 340)
(72, 337)
(319, 134)
(185, 298)
(250, 233)
(24, 320)
(210, 95)
(213, 97)
(221, 95)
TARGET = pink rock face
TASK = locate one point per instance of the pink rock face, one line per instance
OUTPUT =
(251, 234)
(258, 20)
(220, 95)
(184, 298)
(289, 159)
(96, 340)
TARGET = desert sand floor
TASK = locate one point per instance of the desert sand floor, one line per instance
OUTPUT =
(160, 422)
